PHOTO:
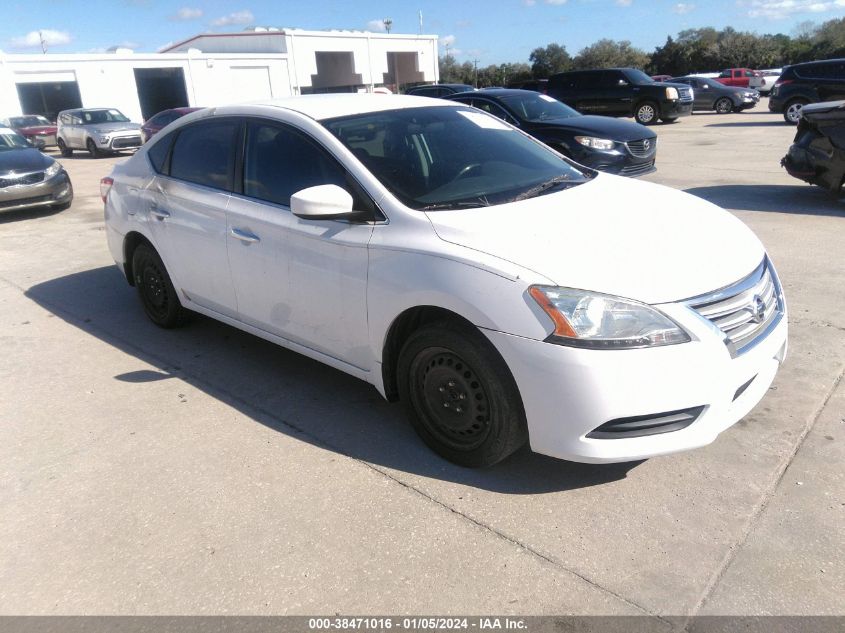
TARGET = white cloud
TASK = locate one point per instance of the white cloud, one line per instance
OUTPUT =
(186, 13)
(448, 40)
(238, 17)
(33, 39)
(624, 3)
(779, 9)
(682, 8)
(376, 25)
(555, 2)
(529, 3)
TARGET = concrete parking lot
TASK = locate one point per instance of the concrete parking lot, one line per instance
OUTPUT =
(204, 471)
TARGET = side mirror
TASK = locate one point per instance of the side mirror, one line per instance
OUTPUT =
(323, 202)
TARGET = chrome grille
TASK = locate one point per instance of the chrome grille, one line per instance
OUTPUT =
(637, 170)
(10, 180)
(685, 94)
(745, 311)
(643, 147)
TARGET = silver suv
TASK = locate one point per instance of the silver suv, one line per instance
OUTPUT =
(98, 130)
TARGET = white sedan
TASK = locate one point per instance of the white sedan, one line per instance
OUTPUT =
(504, 293)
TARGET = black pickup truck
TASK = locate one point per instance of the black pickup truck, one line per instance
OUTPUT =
(622, 92)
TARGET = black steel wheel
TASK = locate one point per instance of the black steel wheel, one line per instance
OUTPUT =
(159, 298)
(460, 395)
(65, 151)
(723, 105)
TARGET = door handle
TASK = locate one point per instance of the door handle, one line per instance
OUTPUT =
(161, 214)
(244, 236)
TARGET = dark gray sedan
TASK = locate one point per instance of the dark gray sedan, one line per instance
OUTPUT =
(28, 178)
(709, 94)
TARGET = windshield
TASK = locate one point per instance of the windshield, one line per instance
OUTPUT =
(537, 107)
(447, 158)
(28, 121)
(102, 116)
(10, 140)
(637, 77)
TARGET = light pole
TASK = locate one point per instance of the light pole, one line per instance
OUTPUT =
(387, 24)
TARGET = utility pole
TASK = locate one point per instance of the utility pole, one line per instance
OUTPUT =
(387, 24)
(43, 43)
(475, 64)
(421, 27)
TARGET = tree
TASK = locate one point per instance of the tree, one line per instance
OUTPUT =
(610, 54)
(549, 60)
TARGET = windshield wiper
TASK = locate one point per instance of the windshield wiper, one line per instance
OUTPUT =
(466, 204)
(542, 187)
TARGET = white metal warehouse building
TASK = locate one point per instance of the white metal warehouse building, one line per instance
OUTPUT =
(216, 69)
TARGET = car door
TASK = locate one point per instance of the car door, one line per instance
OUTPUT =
(186, 204)
(74, 131)
(615, 93)
(704, 93)
(829, 80)
(303, 280)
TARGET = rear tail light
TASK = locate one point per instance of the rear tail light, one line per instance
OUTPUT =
(782, 82)
(105, 186)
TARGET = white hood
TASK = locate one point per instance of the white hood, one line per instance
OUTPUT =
(613, 235)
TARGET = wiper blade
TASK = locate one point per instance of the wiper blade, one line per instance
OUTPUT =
(543, 186)
(474, 204)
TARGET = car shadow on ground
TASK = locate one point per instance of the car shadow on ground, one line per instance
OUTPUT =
(286, 391)
(779, 123)
(797, 199)
(19, 215)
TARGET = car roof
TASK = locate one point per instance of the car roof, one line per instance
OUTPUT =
(493, 92)
(7, 130)
(329, 106)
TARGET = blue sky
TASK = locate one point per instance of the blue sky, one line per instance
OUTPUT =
(491, 31)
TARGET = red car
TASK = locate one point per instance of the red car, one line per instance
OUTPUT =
(741, 78)
(155, 123)
(33, 127)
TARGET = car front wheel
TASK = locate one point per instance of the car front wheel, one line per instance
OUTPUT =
(460, 395)
(646, 113)
(92, 148)
(723, 106)
(158, 296)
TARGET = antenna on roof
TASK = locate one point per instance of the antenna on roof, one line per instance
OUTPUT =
(387, 24)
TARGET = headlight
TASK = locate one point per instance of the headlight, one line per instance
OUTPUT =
(52, 170)
(595, 143)
(671, 93)
(590, 319)
(104, 138)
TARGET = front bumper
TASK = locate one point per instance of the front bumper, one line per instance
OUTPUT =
(120, 143)
(569, 392)
(675, 109)
(56, 190)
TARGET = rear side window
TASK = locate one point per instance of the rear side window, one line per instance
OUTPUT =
(164, 118)
(204, 154)
(833, 70)
(279, 161)
(158, 152)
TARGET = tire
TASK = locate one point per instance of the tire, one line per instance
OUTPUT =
(792, 111)
(723, 105)
(460, 396)
(64, 149)
(159, 298)
(646, 113)
(92, 148)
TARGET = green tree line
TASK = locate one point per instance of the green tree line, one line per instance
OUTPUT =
(691, 51)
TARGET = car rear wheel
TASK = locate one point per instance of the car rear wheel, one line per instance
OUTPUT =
(792, 111)
(64, 149)
(723, 105)
(158, 296)
(93, 149)
(646, 113)
(460, 395)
